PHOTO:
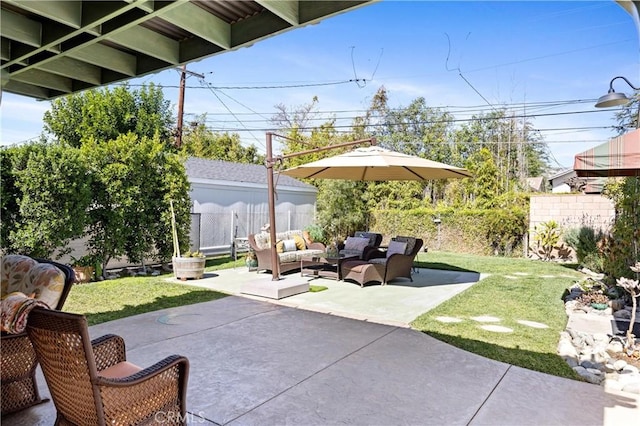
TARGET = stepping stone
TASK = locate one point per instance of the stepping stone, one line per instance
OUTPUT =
(496, 328)
(532, 324)
(486, 318)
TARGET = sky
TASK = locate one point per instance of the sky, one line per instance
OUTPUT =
(549, 61)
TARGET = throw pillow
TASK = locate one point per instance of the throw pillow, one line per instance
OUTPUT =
(290, 245)
(411, 243)
(299, 242)
(396, 247)
(280, 246)
(356, 243)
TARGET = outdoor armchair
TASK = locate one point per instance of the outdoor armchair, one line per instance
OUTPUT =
(373, 241)
(92, 383)
(26, 281)
(396, 263)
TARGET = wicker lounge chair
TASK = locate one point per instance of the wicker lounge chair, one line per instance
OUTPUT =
(383, 270)
(91, 382)
(18, 374)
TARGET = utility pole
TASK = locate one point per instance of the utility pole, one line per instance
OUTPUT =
(183, 79)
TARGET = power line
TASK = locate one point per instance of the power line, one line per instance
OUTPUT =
(279, 86)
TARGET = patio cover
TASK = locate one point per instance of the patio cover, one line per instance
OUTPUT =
(55, 48)
(619, 156)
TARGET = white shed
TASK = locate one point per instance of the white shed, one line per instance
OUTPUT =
(230, 202)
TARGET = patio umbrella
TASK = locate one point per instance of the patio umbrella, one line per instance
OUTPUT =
(374, 163)
(619, 156)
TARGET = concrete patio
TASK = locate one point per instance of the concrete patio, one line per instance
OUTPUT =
(344, 356)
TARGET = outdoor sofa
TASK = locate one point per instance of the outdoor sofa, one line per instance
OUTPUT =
(290, 245)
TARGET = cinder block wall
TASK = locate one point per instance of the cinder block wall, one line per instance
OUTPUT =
(569, 211)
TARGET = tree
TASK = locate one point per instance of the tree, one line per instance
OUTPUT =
(198, 141)
(628, 118)
(49, 186)
(106, 114)
(484, 186)
(133, 181)
(341, 207)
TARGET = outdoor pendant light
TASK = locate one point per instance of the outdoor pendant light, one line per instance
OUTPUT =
(613, 98)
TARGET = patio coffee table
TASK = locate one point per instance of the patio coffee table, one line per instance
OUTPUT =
(323, 265)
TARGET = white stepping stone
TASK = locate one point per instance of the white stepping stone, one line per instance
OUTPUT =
(448, 319)
(486, 318)
(496, 328)
(532, 324)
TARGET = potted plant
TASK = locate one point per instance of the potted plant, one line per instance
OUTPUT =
(250, 260)
(83, 267)
(188, 265)
(313, 233)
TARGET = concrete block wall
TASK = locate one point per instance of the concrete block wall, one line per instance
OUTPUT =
(569, 211)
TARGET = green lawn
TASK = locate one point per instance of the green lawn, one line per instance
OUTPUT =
(103, 301)
(515, 290)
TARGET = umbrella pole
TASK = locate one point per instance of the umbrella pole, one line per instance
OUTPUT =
(275, 272)
(269, 162)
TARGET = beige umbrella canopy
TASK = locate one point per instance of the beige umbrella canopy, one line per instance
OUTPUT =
(374, 163)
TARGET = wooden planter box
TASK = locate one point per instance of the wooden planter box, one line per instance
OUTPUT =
(188, 267)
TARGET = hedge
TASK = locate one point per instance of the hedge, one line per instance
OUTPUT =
(474, 231)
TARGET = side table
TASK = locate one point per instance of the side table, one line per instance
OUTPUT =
(323, 265)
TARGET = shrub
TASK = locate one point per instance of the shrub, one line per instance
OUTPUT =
(547, 235)
(584, 241)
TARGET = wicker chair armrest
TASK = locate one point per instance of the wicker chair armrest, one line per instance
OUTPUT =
(399, 260)
(373, 253)
(176, 365)
(108, 350)
(317, 246)
(157, 391)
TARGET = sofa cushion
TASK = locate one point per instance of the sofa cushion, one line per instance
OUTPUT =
(396, 247)
(350, 253)
(411, 243)
(26, 275)
(263, 240)
(372, 236)
(356, 243)
(296, 256)
(286, 245)
(300, 244)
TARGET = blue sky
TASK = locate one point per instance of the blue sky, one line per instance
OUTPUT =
(465, 56)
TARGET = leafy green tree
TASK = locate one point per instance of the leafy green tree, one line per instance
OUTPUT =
(484, 186)
(514, 145)
(622, 247)
(133, 180)
(105, 114)
(198, 141)
(49, 186)
(628, 117)
(341, 207)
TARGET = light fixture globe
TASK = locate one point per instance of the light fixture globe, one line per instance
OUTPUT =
(612, 99)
